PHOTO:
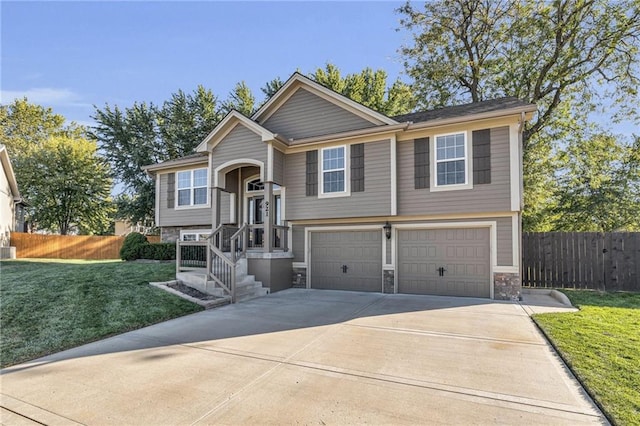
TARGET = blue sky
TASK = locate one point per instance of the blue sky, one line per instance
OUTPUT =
(73, 55)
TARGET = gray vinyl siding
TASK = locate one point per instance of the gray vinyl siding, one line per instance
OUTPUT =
(492, 197)
(278, 167)
(297, 241)
(183, 216)
(305, 115)
(375, 200)
(225, 207)
(239, 143)
(505, 242)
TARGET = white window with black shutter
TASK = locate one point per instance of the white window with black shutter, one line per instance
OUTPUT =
(335, 171)
(451, 162)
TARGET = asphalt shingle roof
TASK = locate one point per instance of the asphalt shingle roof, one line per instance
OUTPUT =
(462, 110)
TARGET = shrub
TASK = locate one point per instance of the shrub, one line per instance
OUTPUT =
(133, 246)
(159, 251)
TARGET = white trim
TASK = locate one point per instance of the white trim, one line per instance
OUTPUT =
(433, 154)
(301, 81)
(493, 239)
(307, 243)
(347, 173)
(270, 162)
(225, 126)
(157, 203)
(394, 175)
(197, 232)
(514, 166)
(191, 189)
(515, 240)
(506, 269)
(219, 180)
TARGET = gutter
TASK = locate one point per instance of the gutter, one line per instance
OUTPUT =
(465, 118)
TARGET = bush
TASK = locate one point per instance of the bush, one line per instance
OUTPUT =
(133, 246)
(159, 251)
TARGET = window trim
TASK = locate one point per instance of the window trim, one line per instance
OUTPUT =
(346, 168)
(196, 232)
(191, 188)
(468, 155)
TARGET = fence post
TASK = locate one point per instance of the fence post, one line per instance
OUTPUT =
(178, 255)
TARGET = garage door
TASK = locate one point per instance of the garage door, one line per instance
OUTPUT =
(462, 253)
(346, 260)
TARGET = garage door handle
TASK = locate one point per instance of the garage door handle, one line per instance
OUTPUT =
(441, 271)
(344, 269)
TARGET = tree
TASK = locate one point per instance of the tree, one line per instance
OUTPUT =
(68, 185)
(240, 99)
(271, 87)
(24, 126)
(146, 134)
(557, 54)
(369, 88)
(599, 185)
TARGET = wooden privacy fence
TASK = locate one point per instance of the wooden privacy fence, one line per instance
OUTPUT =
(582, 260)
(87, 247)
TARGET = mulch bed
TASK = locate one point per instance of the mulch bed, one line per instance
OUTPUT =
(191, 291)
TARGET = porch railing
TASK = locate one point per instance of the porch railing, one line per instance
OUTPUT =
(279, 239)
(191, 255)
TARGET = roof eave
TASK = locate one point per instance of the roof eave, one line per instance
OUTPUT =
(175, 163)
(529, 108)
(351, 134)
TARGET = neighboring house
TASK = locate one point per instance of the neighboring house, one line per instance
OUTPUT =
(124, 227)
(11, 205)
(424, 203)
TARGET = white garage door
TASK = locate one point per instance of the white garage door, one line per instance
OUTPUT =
(346, 260)
(445, 262)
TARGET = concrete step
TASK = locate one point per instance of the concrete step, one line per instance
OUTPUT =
(244, 297)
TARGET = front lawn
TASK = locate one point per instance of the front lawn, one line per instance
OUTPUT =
(601, 343)
(49, 306)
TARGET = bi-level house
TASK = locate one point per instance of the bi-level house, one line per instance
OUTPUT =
(315, 190)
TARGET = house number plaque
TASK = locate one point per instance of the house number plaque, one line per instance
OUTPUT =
(266, 209)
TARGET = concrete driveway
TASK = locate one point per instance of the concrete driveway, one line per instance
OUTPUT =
(310, 357)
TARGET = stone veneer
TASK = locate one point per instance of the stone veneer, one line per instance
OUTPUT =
(299, 278)
(388, 280)
(506, 286)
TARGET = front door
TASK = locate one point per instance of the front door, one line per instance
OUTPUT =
(256, 218)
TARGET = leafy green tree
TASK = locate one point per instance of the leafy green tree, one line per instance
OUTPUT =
(240, 99)
(599, 185)
(146, 134)
(560, 55)
(369, 88)
(23, 126)
(68, 185)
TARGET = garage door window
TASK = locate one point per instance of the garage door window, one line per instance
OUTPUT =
(451, 160)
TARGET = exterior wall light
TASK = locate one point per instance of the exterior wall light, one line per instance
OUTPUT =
(387, 230)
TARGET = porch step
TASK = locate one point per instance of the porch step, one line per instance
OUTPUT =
(246, 285)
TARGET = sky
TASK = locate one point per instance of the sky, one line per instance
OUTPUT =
(73, 55)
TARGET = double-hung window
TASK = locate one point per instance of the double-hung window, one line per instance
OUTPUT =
(333, 170)
(451, 160)
(192, 188)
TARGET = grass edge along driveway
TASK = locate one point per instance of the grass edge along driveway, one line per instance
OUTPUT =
(50, 306)
(601, 344)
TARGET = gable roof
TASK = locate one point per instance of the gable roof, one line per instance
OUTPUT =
(8, 171)
(228, 123)
(297, 81)
(476, 108)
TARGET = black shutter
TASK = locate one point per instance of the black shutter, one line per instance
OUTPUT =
(357, 167)
(421, 163)
(312, 173)
(481, 140)
(171, 190)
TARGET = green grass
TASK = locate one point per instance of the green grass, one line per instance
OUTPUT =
(601, 343)
(48, 306)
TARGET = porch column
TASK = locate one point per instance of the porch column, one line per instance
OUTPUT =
(267, 238)
(215, 207)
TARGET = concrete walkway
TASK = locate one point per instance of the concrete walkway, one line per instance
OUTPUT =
(310, 357)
